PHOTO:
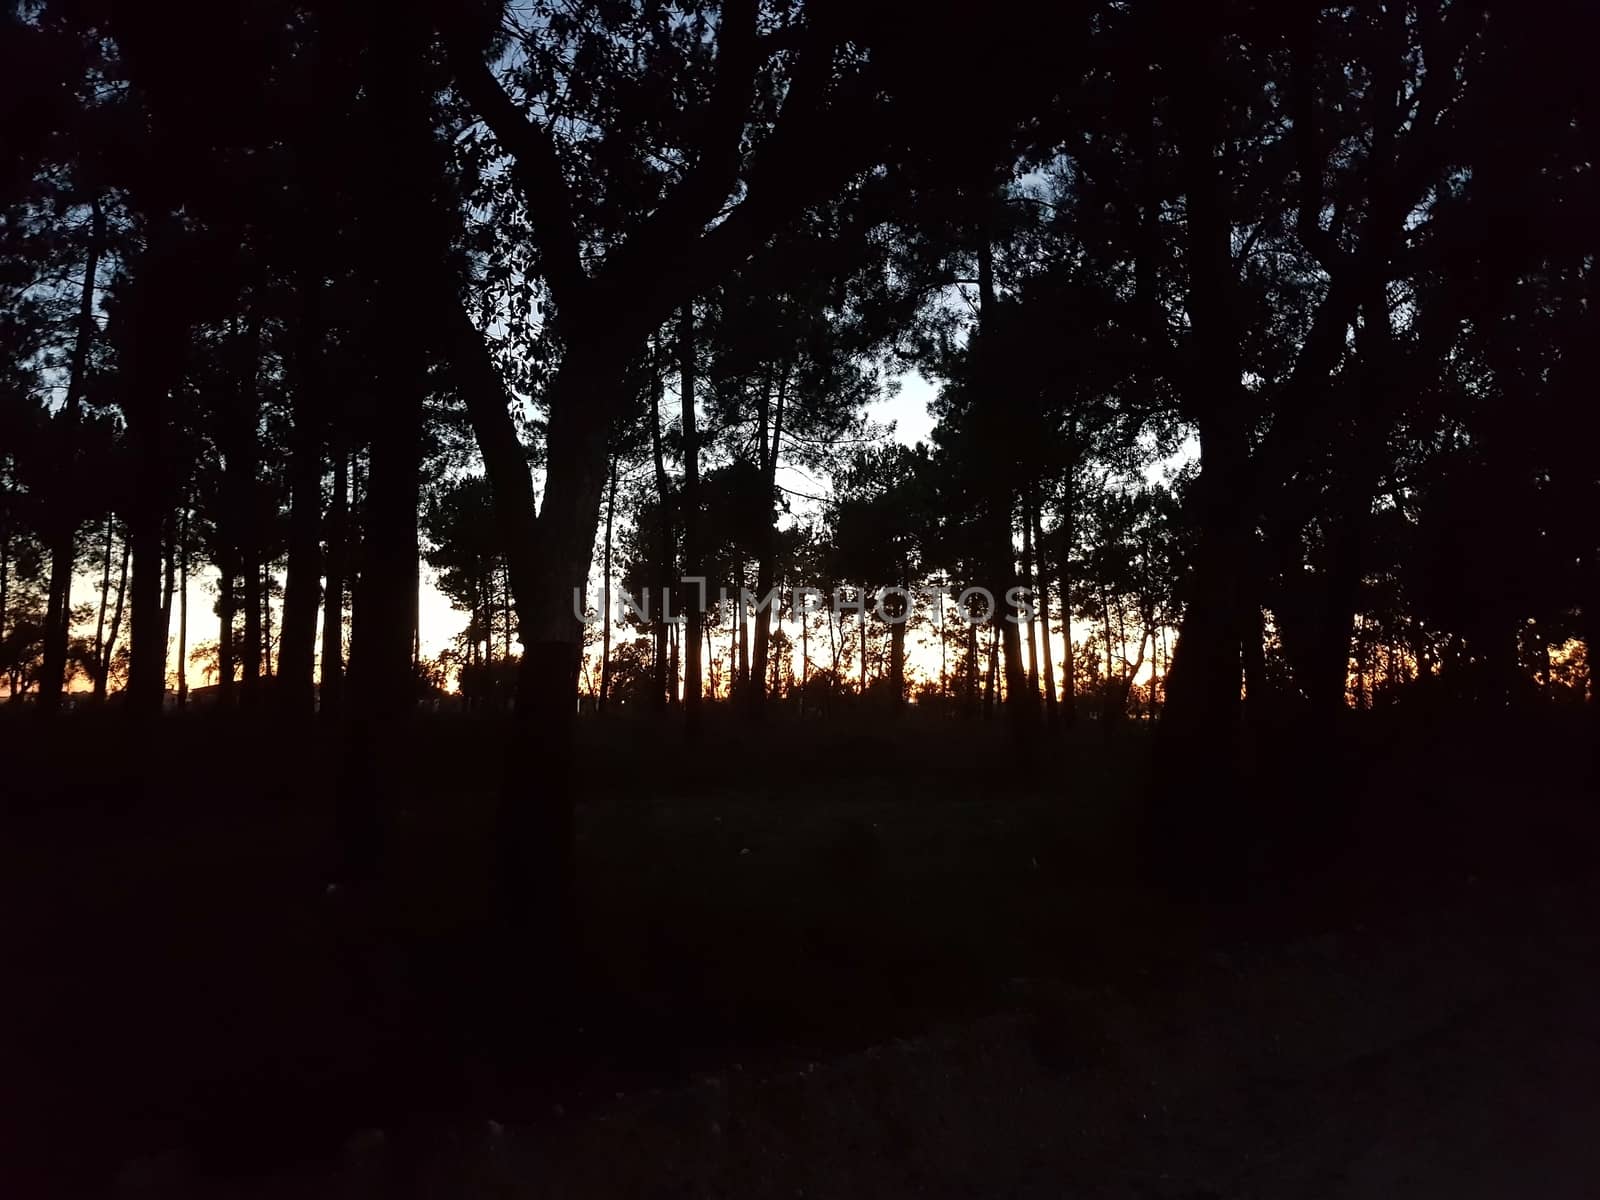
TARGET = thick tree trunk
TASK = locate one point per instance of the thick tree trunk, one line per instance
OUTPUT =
(381, 694)
(63, 552)
(1200, 726)
(536, 810)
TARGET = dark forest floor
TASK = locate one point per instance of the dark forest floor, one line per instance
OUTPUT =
(817, 961)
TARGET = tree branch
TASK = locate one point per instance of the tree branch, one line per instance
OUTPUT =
(535, 165)
(504, 459)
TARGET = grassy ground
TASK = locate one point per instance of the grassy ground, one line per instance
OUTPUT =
(187, 992)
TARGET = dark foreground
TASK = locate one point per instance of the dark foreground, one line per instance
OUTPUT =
(816, 962)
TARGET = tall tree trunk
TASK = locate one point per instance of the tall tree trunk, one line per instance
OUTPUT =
(63, 552)
(693, 567)
(766, 565)
(5, 580)
(382, 689)
(169, 583)
(266, 622)
(739, 679)
(536, 832)
(898, 609)
(247, 514)
(100, 624)
(104, 673)
(973, 656)
(605, 603)
(295, 692)
(666, 690)
(1052, 714)
(333, 594)
(1001, 503)
(154, 370)
(862, 617)
(227, 652)
(1200, 726)
(673, 672)
(805, 658)
(1069, 671)
(1028, 581)
(991, 671)
(183, 606)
